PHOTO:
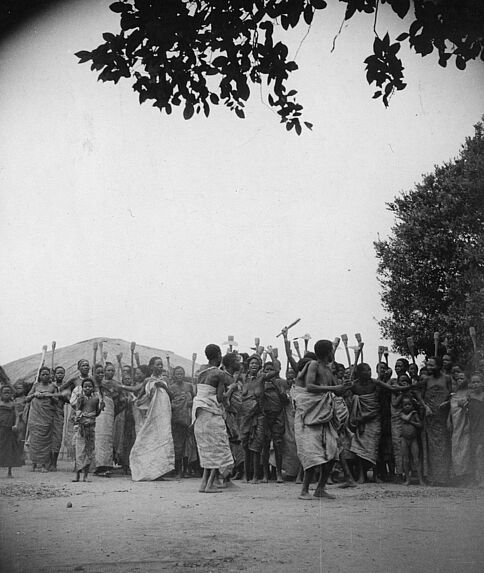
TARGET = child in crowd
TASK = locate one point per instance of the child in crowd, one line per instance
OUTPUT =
(87, 409)
(10, 452)
(410, 426)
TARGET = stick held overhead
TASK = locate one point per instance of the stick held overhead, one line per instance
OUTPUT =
(286, 328)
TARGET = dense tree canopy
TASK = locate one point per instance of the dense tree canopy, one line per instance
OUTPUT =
(432, 267)
(200, 53)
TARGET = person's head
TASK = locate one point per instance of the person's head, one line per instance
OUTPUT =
(476, 383)
(6, 393)
(99, 373)
(324, 350)
(255, 364)
(363, 371)
(59, 373)
(407, 404)
(290, 375)
(244, 358)
(126, 373)
(339, 370)
(109, 370)
(447, 362)
(83, 367)
(156, 365)
(178, 374)
(269, 367)
(20, 389)
(141, 372)
(88, 386)
(401, 366)
(213, 354)
(44, 375)
(404, 380)
(434, 365)
(231, 362)
(460, 380)
(381, 367)
(455, 370)
(413, 371)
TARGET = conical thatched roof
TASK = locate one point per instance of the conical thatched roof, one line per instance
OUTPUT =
(26, 368)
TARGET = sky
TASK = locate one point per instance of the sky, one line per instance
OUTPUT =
(120, 222)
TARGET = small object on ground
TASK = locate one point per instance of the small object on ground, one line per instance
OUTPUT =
(69, 504)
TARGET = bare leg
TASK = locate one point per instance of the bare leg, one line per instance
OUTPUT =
(34, 467)
(44, 470)
(178, 468)
(278, 454)
(349, 481)
(78, 476)
(361, 473)
(9, 473)
(416, 460)
(210, 488)
(305, 487)
(406, 461)
(86, 473)
(265, 463)
(256, 464)
(300, 475)
(323, 478)
(247, 464)
(203, 485)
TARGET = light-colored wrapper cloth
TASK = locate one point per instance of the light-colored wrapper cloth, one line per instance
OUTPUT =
(315, 427)
(367, 433)
(210, 431)
(460, 434)
(153, 454)
(104, 435)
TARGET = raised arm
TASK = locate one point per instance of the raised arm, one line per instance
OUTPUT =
(287, 347)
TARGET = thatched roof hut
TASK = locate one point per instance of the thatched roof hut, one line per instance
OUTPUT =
(25, 369)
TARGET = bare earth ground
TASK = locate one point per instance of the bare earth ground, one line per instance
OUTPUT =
(116, 525)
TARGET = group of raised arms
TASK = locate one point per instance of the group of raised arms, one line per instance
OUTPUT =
(238, 418)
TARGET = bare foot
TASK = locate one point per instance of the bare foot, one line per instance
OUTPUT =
(86, 480)
(360, 480)
(279, 479)
(75, 480)
(347, 484)
(44, 470)
(299, 480)
(254, 481)
(212, 490)
(323, 493)
(305, 496)
(10, 476)
(407, 482)
(265, 480)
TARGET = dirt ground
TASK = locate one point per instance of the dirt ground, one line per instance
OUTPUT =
(116, 525)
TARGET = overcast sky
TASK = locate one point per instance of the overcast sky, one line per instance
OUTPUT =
(120, 222)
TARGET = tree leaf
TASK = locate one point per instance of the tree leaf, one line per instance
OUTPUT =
(83, 56)
(188, 111)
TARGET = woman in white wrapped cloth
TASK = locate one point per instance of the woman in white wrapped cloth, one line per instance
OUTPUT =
(208, 418)
(153, 453)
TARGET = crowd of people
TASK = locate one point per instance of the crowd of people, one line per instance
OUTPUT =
(239, 419)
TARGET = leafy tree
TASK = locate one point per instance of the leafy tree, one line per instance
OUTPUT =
(432, 266)
(200, 53)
